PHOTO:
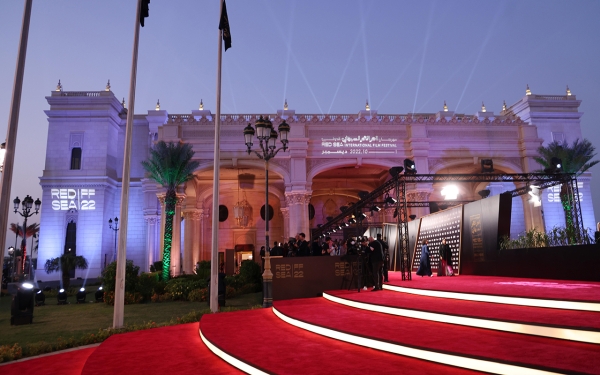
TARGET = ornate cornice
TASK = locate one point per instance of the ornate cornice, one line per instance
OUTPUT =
(418, 196)
(297, 198)
(195, 214)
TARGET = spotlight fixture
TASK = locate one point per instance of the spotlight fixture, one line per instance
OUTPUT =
(80, 296)
(413, 216)
(334, 230)
(22, 305)
(361, 216)
(487, 166)
(390, 200)
(61, 297)
(40, 298)
(339, 227)
(99, 295)
(534, 192)
(484, 193)
(395, 171)
(450, 192)
(346, 224)
(555, 166)
(376, 208)
(352, 221)
(319, 225)
(409, 167)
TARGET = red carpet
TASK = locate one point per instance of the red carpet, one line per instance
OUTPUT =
(505, 286)
(529, 351)
(260, 338)
(167, 350)
(64, 363)
(510, 313)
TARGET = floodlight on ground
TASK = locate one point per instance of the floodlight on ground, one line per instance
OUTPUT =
(99, 295)
(61, 297)
(21, 310)
(80, 296)
(40, 298)
(409, 167)
(450, 192)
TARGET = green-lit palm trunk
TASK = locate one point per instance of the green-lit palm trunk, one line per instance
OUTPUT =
(170, 202)
(566, 200)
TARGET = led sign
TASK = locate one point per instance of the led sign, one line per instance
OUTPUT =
(79, 199)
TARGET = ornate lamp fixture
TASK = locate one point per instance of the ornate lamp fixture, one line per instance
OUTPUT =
(241, 210)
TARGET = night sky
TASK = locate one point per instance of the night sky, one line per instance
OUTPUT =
(322, 56)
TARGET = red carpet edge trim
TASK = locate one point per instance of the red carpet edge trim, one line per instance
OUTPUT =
(233, 361)
(433, 356)
(51, 353)
(521, 301)
(494, 324)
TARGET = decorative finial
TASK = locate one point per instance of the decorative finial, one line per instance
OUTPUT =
(445, 107)
(504, 105)
(201, 105)
(483, 107)
(123, 103)
(285, 106)
(59, 86)
(568, 91)
(367, 106)
(527, 91)
(158, 105)
(107, 86)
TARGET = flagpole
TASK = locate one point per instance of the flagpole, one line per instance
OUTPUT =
(119, 308)
(214, 259)
(11, 131)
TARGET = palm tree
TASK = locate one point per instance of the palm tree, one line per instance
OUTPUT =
(17, 230)
(170, 165)
(31, 230)
(64, 264)
(575, 159)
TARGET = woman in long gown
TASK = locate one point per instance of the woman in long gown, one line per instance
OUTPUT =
(424, 265)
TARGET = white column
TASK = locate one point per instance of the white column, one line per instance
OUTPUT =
(297, 203)
(197, 227)
(151, 239)
(285, 211)
(190, 241)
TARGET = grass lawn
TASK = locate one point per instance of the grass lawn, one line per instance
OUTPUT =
(74, 320)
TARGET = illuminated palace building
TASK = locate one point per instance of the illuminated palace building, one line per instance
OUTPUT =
(331, 158)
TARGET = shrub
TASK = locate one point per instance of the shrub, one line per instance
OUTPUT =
(10, 352)
(109, 276)
(161, 297)
(147, 283)
(157, 267)
(230, 292)
(198, 295)
(180, 287)
(250, 272)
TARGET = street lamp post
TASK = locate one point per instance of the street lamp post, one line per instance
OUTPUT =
(116, 229)
(267, 137)
(26, 213)
(11, 254)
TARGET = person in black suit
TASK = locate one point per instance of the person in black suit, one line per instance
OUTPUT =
(277, 250)
(302, 245)
(386, 257)
(446, 259)
(262, 258)
(376, 258)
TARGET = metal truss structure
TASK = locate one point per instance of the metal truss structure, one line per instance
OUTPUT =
(396, 188)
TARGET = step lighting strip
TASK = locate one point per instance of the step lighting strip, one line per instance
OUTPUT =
(528, 329)
(230, 359)
(534, 302)
(446, 359)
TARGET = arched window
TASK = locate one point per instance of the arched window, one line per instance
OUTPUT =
(76, 158)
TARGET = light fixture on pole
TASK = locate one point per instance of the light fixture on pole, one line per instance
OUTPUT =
(267, 137)
(241, 210)
(115, 228)
(26, 213)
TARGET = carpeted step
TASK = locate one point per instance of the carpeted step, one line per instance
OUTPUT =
(65, 362)
(560, 294)
(497, 350)
(261, 340)
(166, 350)
(564, 324)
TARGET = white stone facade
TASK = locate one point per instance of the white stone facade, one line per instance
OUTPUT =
(330, 159)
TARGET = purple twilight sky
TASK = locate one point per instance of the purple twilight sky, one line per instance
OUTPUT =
(322, 56)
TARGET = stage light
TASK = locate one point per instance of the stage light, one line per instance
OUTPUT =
(363, 194)
(80, 296)
(376, 208)
(352, 221)
(319, 225)
(390, 200)
(555, 166)
(40, 298)
(61, 297)
(395, 171)
(484, 193)
(409, 167)
(450, 192)
(333, 230)
(21, 310)
(99, 295)
(361, 216)
(534, 192)
(487, 166)
(339, 227)
(346, 224)
(412, 217)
